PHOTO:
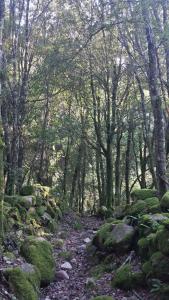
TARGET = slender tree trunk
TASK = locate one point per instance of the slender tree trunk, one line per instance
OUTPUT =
(2, 13)
(118, 167)
(159, 123)
(128, 157)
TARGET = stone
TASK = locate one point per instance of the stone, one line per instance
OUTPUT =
(66, 266)
(114, 237)
(82, 247)
(87, 240)
(62, 275)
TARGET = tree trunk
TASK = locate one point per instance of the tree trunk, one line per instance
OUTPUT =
(159, 123)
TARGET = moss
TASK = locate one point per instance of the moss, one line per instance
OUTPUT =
(42, 191)
(98, 270)
(149, 223)
(102, 298)
(22, 211)
(9, 255)
(58, 243)
(27, 190)
(137, 208)
(41, 210)
(142, 194)
(147, 268)
(67, 255)
(12, 200)
(52, 225)
(162, 239)
(153, 205)
(39, 200)
(104, 212)
(126, 279)
(50, 210)
(14, 213)
(143, 247)
(26, 201)
(39, 252)
(24, 284)
(58, 213)
(160, 266)
(165, 202)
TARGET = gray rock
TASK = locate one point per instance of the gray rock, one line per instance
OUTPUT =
(62, 275)
(114, 237)
(66, 266)
(87, 240)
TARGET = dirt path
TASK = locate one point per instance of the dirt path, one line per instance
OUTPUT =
(77, 287)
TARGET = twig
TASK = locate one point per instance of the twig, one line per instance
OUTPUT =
(138, 296)
(128, 259)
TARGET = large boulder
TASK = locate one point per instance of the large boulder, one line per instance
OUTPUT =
(38, 252)
(114, 237)
(24, 281)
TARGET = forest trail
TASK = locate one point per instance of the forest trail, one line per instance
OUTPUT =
(81, 284)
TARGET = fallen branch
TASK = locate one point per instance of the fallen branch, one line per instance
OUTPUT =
(138, 296)
(128, 259)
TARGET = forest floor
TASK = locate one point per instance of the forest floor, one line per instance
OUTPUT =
(81, 285)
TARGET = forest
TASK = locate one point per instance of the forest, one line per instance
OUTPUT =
(84, 149)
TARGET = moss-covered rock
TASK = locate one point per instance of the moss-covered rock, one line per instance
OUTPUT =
(160, 266)
(165, 202)
(24, 281)
(52, 225)
(114, 237)
(153, 205)
(142, 194)
(137, 208)
(27, 190)
(38, 252)
(27, 201)
(157, 267)
(12, 200)
(147, 268)
(50, 210)
(42, 191)
(41, 210)
(162, 238)
(126, 279)
(58, 213)
(149, 205)
(150, 223)
(147, 246)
